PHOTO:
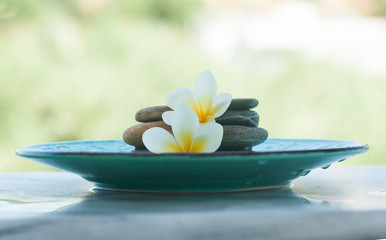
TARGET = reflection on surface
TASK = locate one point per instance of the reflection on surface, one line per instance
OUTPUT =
(110, 202)
(35, 193)
(17, 204)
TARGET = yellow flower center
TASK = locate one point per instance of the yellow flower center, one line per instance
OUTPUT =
(204, 111)
(206, 119)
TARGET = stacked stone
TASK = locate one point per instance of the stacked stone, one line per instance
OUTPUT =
(239, 122)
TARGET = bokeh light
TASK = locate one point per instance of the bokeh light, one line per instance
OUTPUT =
(80, 69)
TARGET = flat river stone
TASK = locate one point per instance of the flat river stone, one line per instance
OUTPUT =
(241, 137)
(151, 114)
(243, 103)
(246, 118)
(133, 135)
(235, 137)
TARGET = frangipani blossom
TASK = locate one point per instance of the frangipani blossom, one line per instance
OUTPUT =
(204, 102)
(189, 135)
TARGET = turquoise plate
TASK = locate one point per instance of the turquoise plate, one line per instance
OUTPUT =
(112, 164)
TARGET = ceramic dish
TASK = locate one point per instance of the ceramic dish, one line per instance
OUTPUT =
(112, 164)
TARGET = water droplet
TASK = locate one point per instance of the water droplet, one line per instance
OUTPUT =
(381, 193)
(304, 173)
(254, 180)
(262, 161)
(327, 166)
(249, 182)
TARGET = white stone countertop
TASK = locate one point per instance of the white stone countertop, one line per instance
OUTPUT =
(347, 202)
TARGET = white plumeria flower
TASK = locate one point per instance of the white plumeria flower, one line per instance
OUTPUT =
(189, 135)
(204, 102)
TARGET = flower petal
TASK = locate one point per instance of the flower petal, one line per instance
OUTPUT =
(206, 88)
(180, 96)
(184, 124)
(207, 138)
(167, 117)
(158, 140)
(206, 85)
(220, 104)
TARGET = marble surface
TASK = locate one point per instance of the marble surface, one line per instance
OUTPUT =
(337, 203)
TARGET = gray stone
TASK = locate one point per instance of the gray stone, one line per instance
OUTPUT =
(235, 137)
(243, 103)
(133, 135)
(241, 137)
(243, 117)
(151, 114)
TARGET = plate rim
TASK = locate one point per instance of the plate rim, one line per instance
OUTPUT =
(26, 151)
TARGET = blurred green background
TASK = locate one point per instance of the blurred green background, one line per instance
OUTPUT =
(80, 69)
